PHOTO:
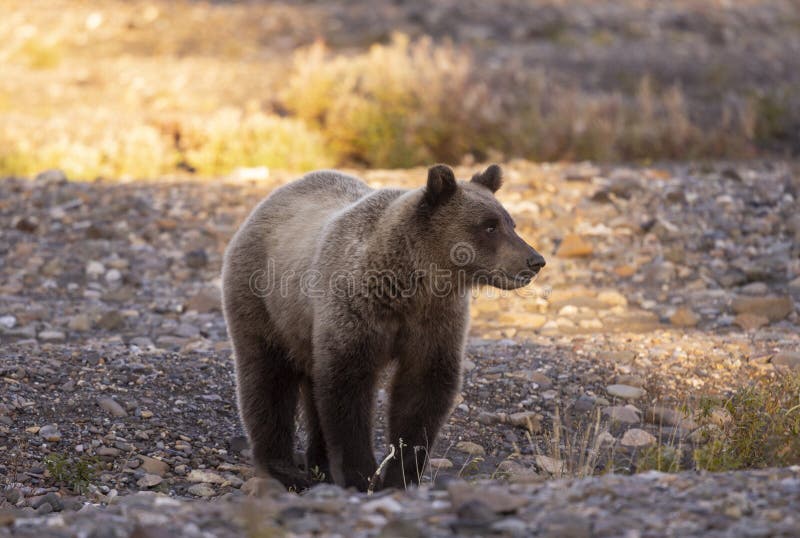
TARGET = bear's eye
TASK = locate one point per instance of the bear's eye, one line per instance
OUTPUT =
(490, 226)
(491, 229)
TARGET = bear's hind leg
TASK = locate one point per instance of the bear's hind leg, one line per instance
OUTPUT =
(268, 390)
(316, 452)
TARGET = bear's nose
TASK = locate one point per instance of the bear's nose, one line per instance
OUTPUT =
(535, 263)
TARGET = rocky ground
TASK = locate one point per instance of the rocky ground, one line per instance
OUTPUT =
(663, 285)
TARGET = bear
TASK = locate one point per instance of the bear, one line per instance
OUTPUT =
(328, 282)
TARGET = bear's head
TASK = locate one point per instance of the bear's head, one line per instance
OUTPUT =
(469, 232)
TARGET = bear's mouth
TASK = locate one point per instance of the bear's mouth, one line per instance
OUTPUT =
(506, 281)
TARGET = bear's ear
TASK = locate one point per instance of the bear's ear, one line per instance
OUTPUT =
(441, 185)
(491, 178)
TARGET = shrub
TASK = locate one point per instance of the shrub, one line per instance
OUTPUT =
(231, 139)
(396, 105)
(763, 429)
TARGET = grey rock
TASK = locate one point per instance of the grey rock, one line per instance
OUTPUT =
(111, 406)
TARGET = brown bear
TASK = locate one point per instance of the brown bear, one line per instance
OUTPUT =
(328, 282)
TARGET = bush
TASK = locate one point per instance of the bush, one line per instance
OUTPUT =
(763, 429)
(397, 105)
(231, 139)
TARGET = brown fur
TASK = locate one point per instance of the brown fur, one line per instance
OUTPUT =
(304, 341)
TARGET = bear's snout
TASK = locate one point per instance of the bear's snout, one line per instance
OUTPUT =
(536, 262)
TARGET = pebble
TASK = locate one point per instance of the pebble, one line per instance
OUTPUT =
(441, 463)
(574, 246)
(80, 323)
(94, 269)
(636, 437)
(111, 406)
(787, 360)
(774, 308)
(625, 392)
(196, 259)
(201, 490)
(528, 420)
(495, 499)
(52, 336)
(113, 276)
(149, 481)
(204, 476)
(50, 433)
(623, 414)
(468, 447)
(550, 465)
(684, 317)
(7, 322)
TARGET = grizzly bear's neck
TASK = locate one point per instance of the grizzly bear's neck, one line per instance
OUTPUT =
(399, 250)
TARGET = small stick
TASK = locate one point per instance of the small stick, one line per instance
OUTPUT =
(379, 470)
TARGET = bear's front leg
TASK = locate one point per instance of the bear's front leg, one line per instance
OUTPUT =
(345, 378)
(422, 395)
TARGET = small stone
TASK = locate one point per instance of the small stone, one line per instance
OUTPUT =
(755, 288)
(205, 301)
(470, 448)
(666, 416)
(205, 476)
(527, 419)
(496, 499)
(550, 465)
(149, 481)
(636, 437)
(107, 451)
(94, 269)
(112, 407)
(53, 175)
(774, 308)
(50, 433)
(7, 322)
(113, 276)
(623, 414)
(201, 490)
(684, 317)
(612, 298)
(625, 392)
(79, 323)
(153, 465)
(787, 359)
(751, 322)
(441, 463)
(574, 246)
(52, 336)
(196, 259)
(263, 487)
(111, 321)
(383, 505)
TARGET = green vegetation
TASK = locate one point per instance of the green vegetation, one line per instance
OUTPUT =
(763, 428)
(71, 472)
